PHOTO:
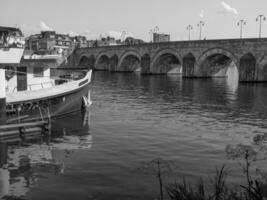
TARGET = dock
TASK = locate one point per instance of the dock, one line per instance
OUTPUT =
(19, 132)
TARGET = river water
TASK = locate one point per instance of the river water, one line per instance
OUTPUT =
(136, 119)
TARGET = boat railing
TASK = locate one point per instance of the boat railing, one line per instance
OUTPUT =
(56, 80)
(43, 84)
(30, 87)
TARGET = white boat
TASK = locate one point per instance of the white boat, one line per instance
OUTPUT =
(54, 101)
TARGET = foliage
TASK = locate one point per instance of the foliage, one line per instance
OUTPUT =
(158, 167)
(245, 154)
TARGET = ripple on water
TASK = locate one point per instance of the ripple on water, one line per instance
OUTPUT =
(139, 118)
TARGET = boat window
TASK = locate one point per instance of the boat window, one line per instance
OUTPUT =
(38, 72)
(11, 37)
(3, 38)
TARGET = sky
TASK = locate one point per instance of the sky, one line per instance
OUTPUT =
(93, 18)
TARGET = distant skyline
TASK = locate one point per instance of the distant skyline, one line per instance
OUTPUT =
(110, 17)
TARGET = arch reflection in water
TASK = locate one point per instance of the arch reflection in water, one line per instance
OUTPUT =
(22, 166)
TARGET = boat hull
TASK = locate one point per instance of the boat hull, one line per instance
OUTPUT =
(48, 102)
(51, 107)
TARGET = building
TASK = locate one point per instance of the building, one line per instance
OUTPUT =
(79, 41)
(91, 43)
(161, 37)
(51, 43)
(132, 41)
(108, 41)
(104, 41)
(62, 42)
(111, 41)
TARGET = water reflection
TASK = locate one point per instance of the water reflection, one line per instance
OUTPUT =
(22, 166)
(173, 94)
(232, 81)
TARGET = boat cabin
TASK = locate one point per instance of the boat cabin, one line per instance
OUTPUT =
(38, 72)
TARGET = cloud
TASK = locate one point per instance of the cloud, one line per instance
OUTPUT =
(115, 34)
(72, 33)
(201, 14)
(45, 27)
(228, 9)
(90, 35)
(28, 29)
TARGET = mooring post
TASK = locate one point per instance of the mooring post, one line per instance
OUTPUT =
(2, 97)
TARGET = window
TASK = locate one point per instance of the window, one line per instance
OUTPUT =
(38, 72)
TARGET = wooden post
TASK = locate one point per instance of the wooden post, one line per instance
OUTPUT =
(3, 154)
(2, 97)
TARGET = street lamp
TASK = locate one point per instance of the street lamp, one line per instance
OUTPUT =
(189, 28)
(156, 29)
(151, 34)
(260, 18)
(200, 24)
(123, 34)
(240, 23)
(152, 31)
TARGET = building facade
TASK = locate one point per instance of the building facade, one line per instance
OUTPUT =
(161, 37)
(79, 41)
(52, 43)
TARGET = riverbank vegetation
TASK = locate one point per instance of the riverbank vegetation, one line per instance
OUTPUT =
(218, 188)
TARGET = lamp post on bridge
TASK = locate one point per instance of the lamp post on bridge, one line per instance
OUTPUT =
(156, 29)
(151, 35)
(260, 18)
(152, 31)
(241, 23)
(200, 24)
(123, 35)
(189, 28)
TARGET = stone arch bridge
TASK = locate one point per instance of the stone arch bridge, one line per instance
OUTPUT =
(195, 59)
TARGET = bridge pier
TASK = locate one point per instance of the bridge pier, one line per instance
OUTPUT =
(247, 68)
(145, 64)
(113, 63)
(188, 66)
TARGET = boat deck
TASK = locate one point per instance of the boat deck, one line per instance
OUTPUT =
(24, 96)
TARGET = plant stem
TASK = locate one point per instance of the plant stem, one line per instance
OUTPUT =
(247, 175)
(160, 181)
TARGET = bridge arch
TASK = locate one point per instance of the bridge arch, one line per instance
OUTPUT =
(102, 61)
(247, 68)
(166, 61)
(87, 62)
(129, 61)
(79, 57)
(215, 62)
